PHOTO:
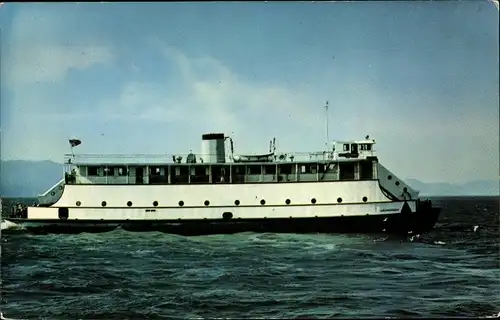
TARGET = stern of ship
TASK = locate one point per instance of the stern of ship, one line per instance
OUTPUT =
(426, 216)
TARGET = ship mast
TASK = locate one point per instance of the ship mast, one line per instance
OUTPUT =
(326, 126)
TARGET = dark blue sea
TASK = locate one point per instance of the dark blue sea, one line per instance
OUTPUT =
(452, 271)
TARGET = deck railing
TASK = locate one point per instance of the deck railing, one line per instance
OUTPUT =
(169, 158)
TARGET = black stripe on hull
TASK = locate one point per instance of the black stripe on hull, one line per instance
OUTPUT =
(400, 223)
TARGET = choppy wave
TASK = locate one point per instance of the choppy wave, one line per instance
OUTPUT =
(452, 271)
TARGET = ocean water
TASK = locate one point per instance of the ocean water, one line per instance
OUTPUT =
(452, 271)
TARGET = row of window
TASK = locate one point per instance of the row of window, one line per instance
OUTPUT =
(207, 203)
(283, 168)
(363, 146)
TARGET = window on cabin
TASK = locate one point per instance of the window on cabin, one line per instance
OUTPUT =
(314, 168)
(254, 169)
(107, 171)
(365, 147)
(239, 169)
(180, 170)
(118, 171)
(180, 174)
(156, 176)
(270, 169)
(322, 167)
(238, 173)
(93, 171)
(199, 174)
(121, 171)
(346, 147)
(155, 171)
(285, 168)
(220, 174)
(199, 170)
(347, 170)
(365, 170)
(308, 168)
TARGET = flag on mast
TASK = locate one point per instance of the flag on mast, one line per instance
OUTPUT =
(74, 142)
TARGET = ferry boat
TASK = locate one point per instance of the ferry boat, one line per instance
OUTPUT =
(344, 189)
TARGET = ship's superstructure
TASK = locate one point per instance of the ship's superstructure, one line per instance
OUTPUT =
(343, 189)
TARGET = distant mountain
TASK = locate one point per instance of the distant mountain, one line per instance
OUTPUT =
(21, 178)
(471, 188)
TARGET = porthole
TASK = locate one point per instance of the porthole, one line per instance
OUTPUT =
(405, 189)
(262, 202)
(103, 203)
(237, 202)
(313, 200)
(227, 215)
(129, 203)
(181, 203)
(397, 183)
(52, 193)
(78, 203)
(60, 187)
(389, 177)
(339, 200)
(365, 199)
(155, 203)
(207, 202)
(287, 201)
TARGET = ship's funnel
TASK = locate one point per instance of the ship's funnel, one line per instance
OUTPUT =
(212, 148)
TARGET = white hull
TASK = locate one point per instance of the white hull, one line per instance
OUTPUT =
(211, 212)
(396, 217)
(221, 197)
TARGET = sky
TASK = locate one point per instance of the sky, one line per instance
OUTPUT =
(421, 78)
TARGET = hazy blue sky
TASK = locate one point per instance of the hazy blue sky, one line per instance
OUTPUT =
(422, 78)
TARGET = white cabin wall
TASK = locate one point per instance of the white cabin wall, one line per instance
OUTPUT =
(220, 194)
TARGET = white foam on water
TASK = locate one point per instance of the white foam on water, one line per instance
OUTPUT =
(439, 242)
(6, 224)
(494, 316)
(2, 317)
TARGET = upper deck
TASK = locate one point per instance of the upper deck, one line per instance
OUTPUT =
(347, 160)
(341, 151)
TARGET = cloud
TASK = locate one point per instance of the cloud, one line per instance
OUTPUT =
(42, 44)
(39, 62)
(211, 97)
(37, 57)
